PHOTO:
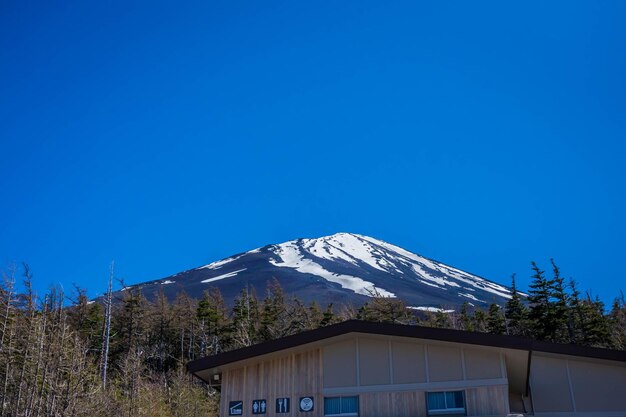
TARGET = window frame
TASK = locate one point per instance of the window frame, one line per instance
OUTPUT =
(447, 410)
(351, 414)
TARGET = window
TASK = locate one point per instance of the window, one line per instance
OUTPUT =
(341, 406)
(445, 402)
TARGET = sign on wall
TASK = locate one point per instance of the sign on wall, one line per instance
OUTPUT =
(282, 405)
(259, 406)
(306, 404)
(235, 408)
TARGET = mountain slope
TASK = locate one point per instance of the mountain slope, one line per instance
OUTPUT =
(341, 268)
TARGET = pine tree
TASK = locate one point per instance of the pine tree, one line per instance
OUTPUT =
(465, 319)
(561, 331)
(479, 321)
(161, 340)
(129, 324)
(213, 325)
(516, 313)
(439, 319)
(539, 300)
(595, 325)
(329, 316)
(617, 322)
(576, 314)
(274, 323)
(87, 319)
(315, 314)
(495, 320)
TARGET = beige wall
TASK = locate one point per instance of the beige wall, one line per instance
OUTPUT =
(409, 362)
(550, 386)
(598, 386)
(368, 361)
(577, 385)
(374, 362)
(339, 361)
(444, 364)
(480, 364)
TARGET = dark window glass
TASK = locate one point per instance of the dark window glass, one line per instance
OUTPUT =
(332, 406)
(349, 405)
(445, 402)
(341, 405)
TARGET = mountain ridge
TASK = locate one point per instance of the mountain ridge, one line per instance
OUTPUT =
(343, 268)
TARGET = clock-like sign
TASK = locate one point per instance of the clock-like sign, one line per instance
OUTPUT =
(306, 404)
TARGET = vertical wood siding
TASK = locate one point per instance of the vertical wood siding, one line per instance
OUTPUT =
(293, 376)
(393, 404)
(487, 401)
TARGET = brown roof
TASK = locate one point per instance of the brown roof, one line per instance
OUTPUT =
(419, 332)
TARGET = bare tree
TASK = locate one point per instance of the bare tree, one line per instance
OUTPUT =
(106, 328)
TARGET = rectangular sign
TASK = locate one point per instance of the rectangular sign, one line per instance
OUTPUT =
(282, 405)
(235, 408)
(259, 407)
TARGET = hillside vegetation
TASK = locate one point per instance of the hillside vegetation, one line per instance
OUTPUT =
(127, 356)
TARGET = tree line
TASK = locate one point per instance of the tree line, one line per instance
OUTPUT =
(126, 355)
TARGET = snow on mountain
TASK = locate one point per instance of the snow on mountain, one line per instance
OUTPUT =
(292, 256)
(341, 268)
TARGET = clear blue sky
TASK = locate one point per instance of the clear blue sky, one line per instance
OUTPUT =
(165, 136)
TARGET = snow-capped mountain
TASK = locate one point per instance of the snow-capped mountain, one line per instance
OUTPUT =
(341, 268)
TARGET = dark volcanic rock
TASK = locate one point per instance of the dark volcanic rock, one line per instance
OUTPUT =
(342, 268)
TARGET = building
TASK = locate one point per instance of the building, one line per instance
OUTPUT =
(368, 369)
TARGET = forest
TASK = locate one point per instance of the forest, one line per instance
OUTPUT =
(65, 355)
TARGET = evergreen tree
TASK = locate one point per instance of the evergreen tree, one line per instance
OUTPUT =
(328, 317)
(316, 315)
(495, 320)
(561, 331)
(516, 313)
(440, 319)
(576, 314)
(595, 325)
(540, 305)
(274, 323)
(617, 323)
(465, 320)
(129, 324)
(479, 321)
(161, 340)
(87, 318)
(213, 326)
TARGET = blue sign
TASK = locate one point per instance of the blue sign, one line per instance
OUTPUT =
(259, 407)
(306, 404)
(235, 408)
(282, 405)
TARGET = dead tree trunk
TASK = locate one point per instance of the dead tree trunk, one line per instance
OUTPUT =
(106, 332)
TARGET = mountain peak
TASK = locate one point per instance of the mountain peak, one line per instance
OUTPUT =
(341, 268)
